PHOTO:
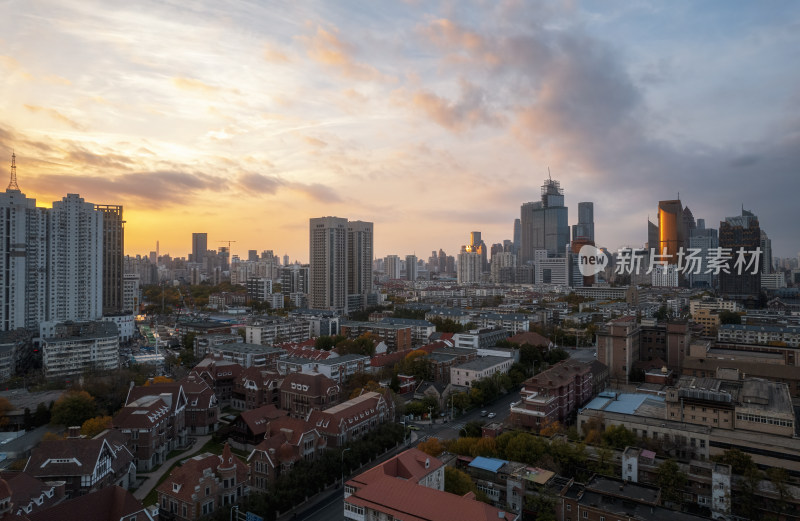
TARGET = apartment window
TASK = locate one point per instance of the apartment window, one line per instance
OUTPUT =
(569, 507)
(585, 514)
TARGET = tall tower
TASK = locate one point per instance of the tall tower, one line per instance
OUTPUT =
(113, 256)
(734, 233)
(199, 247)
(671, 229)
(392, 267)
(585, 227)
(411, 267)
(75, 260)
(544, 224)
(328, 263)
(359, 257)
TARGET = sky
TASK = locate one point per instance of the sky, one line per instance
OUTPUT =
(430, 119)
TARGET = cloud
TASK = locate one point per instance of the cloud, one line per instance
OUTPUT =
(274, 55)
(314, 142)
(259, 183)
(82, 156)
(58, 116)
(471, 109)
(326, 48)
(318, 192)
(191, 84)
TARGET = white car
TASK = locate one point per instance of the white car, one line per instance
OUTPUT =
(492, 415)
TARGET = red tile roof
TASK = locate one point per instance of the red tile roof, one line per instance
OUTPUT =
(188, 475)
(309, 384)
(257, 420)
(107, 504)
(412, 464)
(530, 338)
(347, 413)
(412, 502)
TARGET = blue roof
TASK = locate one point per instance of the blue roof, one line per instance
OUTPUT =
(625, 403)
(598, 403)
(490, 464)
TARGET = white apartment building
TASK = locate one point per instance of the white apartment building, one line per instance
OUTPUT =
(131, 292)
(482, 367)
(268, 331)
(469, 267)
(328, 263)
(78, 346)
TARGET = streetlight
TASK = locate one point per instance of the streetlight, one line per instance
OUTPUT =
(342, 455)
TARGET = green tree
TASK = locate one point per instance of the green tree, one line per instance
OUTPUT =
(779, 477)
(604, 461)
(672, 481)
(739, 461)
(41, 416)
(459, 483)
(542, 504)
(618, 437)
(73, 408)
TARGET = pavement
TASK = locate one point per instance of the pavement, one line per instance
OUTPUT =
(153, 477)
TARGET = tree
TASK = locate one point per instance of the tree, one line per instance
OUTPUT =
(603, 462)
(94, 426)
(618, 437)
(779, 478)
(739, 461)
(50, 436)
(73, 408)
(431, 446)
(551, 428)
(474, 429)
(457, 482)
(672, 481)
(542, 504)
(41, 416)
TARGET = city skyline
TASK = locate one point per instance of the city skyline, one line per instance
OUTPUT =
(429, 121)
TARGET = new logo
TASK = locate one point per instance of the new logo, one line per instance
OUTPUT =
(591, 260)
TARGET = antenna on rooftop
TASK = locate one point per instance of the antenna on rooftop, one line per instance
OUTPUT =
(13, 184)
(548, 174)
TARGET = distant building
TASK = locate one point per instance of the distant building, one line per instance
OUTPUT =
(553, 395)
(741, 232)
(467, 373)
(544, 224)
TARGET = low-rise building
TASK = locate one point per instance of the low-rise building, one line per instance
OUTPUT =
(107, 504)
(409, 487)
(301, 393)
(274, 330)
(553, 395)
(254, 387)
(337, 369)
(352, 419)
(84, 465)
(421, 330)
(286, 441)
(76, 347)
(221, 376)
(202, 407)
(463, 375)
(764, 335)
(250, 426)
(479, 338)
(247, 355)
(396, 335)
(202, 485)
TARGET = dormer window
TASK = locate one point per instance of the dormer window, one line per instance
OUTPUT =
(176, 487)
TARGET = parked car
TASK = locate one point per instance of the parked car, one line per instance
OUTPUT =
(492, 415)
(484, 413)
(413, 428)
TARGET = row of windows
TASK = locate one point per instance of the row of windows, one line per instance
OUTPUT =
(755, 418)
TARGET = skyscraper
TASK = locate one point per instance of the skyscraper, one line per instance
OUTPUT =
(671, 229)
(469, 267)
(75, 260)
(735, 233)
(544, 224)
(411, 267)
(702, 239)
(585, 227)
(340, 271)
(23, 257)
(517, 234)
(328, 263)
(199, 247)
(476, 245)
(392, 267)
(113, 255)
(359, 257)
(766, 253)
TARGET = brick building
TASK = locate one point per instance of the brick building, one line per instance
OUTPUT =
(352, 419)
(553, 395)
(301, 393)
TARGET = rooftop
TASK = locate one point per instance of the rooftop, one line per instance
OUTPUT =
(482, 363)
(490, 464)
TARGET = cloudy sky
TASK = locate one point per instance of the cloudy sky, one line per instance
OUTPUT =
(244, 119)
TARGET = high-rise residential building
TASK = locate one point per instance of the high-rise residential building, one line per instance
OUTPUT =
(75, 261)
(113, 255)
(585, 227)
(23, 258)
(503, 267)
(359, 257)
(766, 253)
(252, 255)
(469, 267)
(544, 224)
(392, 267)
(740, 232)
(411, 267)
(517, 234)
(199, 247)
(294, 279)
(328, 264)
(340, 271)
(652, 235)
(442, 261)
(476, 245)
(703, 240)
